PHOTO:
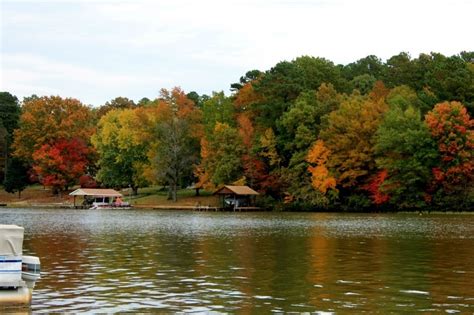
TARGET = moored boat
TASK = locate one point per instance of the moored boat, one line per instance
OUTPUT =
(113, 205)
(18, 273)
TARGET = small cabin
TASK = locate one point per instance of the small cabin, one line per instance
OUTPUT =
(237, 198)
(95, 196)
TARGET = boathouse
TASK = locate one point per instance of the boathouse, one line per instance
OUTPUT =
(98, 195)
(237, 198)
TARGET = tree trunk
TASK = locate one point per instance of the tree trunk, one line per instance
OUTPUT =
(170, 193)
(175, 185)
(197, 192)
(175, 193)
(5, 169)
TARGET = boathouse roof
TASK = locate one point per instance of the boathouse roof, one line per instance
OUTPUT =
(236, 190)
(96, 192)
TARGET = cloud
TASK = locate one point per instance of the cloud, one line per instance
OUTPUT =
(97, 50)
(27, 74)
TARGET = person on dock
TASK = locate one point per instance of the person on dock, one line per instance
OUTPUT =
(118, 201)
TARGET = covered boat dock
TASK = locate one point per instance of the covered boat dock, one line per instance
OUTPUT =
(237, 198)
(97, 195)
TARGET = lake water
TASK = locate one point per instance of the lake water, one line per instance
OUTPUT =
(152, 261)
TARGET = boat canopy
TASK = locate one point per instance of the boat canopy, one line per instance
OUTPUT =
(236, 190)
(96, 192)
(11, 240)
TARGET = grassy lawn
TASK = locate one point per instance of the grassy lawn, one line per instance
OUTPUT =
(33, 194)
(159, 196)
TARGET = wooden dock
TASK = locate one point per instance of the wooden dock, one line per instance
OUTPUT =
(207, 208)
(197, 208)
(185, 208)
(242, 209)
(236, 209)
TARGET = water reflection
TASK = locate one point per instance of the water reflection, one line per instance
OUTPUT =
(139, 261)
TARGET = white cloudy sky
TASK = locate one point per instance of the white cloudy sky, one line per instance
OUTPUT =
(96, 50)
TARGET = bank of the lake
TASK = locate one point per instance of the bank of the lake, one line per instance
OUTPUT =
(37, 196)
(169, 261)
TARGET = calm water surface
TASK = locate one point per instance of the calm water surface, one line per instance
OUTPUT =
(142, 261)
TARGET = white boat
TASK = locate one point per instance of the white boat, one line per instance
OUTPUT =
(105, 205)
(18, 273)
(30, 269)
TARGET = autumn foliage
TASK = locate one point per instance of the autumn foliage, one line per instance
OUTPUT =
(306, 133)
(350, 138)
(452, 128)
(87, 181)
(319, 155)
(374, 188)
(48, 119)
(61, 164)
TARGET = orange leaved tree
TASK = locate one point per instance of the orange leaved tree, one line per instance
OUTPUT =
(46, 120)
(320, 178)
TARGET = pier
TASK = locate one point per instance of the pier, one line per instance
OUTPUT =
(207, 208)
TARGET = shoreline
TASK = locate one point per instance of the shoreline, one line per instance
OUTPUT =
(154, 198)
(186, 207)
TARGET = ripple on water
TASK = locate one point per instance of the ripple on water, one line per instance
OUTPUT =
(263, 297)
(143, 261)
(347, 282)
(417, 292)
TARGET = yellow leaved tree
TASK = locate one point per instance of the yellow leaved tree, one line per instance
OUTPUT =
(320, 178)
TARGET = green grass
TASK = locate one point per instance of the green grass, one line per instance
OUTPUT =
(159, 196)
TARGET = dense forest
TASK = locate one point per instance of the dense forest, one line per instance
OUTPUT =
(308, 134)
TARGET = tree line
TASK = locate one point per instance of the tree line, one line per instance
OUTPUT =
(307, 134)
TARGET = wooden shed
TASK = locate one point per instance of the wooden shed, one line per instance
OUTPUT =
(237, 197)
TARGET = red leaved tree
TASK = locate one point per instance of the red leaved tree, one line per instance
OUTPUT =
(377, 196)
(453, 129)
(61, 164)
(87, 181)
